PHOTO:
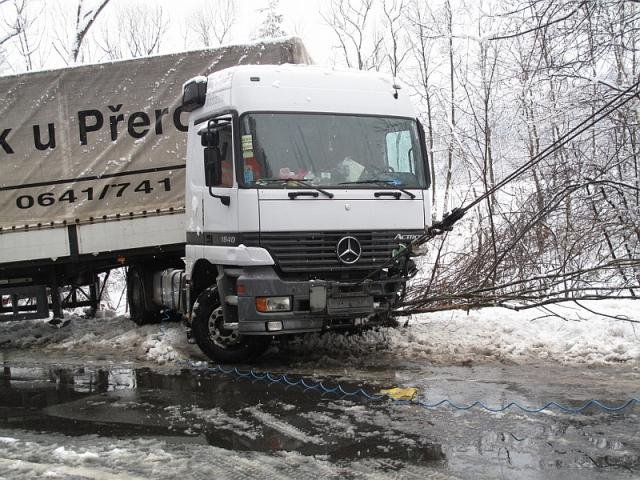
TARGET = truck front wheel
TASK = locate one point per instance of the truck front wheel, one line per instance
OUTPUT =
(217, 343)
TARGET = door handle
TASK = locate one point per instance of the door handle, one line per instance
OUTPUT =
(293, 195)
(395, 195)
(225, 199)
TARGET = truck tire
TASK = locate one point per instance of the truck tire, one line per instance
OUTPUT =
(141, 310)
(222, 345)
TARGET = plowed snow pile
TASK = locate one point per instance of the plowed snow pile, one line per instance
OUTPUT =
(490, 334)
(109, 336)
(449, 337)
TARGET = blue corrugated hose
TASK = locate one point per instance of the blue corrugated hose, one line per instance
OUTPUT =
(339, 390)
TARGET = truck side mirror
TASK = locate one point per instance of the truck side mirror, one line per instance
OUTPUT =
(423, 143)
(210, 139)
(194, 94)
(212, 166)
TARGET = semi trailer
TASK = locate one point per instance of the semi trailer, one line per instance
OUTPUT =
(282, 215)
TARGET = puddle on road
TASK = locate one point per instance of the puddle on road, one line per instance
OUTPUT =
(220, 410)
(254, 416)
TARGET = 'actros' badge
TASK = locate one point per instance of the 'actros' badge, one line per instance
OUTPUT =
(348, 250)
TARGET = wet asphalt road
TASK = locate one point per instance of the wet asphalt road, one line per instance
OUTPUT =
(248, 428)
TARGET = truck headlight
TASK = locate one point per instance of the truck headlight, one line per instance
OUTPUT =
(273, 304)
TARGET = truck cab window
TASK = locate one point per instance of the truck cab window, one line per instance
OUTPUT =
(330, 150)
(226, 156)
(400, 152)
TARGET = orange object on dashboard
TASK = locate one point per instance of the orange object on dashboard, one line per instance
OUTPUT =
(252, 170)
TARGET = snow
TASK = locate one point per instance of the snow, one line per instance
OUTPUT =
(283, 427)
(492, 334)
(107, 336)
(72, 456)
(487, 335)
(195, 416)
(197, 79)
(34, 455)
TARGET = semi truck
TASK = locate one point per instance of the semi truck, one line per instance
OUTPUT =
(247, 191)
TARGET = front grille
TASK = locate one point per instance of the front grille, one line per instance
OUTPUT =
(314, 252)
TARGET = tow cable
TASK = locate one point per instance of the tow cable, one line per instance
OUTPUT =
(405, 396)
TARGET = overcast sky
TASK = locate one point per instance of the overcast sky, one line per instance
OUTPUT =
(53, 20)
(301, 17)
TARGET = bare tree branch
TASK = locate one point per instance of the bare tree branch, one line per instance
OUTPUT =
(139, 32)
(540, 25)
(85, 17)
(360, 41)
(212, 26)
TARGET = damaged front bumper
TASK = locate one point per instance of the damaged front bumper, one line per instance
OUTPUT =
(315, 305)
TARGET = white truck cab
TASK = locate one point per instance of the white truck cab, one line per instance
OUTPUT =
(301, 182)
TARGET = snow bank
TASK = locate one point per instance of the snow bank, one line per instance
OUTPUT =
(493, 334)
(108, 336)
(454, 337)
(72, 456)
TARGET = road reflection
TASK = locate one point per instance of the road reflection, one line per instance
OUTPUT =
(222, 410)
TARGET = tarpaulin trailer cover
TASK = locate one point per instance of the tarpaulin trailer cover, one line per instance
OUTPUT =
(96, 143)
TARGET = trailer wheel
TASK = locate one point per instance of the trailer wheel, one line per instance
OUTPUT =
(217, 343)
(141, 309)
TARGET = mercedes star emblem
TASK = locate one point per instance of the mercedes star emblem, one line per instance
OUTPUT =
(348, 250)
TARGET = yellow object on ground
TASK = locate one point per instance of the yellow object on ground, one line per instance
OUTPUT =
(401, 393)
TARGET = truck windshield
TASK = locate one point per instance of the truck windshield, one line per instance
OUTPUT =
(328, 150)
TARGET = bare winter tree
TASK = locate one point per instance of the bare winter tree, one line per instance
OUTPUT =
(212, 24)
(139, 32)
(448, 16)
(23, 33)
(397, 48)
(419, 18)
(272, 24)
(27, 45)
(85, 17)
(71, 29)
(11, 27)
(360, 42)
(110, 43)
(434, 46)
(569, 227)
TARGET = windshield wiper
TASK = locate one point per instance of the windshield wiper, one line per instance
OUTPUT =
(302, 181)
(384, 183)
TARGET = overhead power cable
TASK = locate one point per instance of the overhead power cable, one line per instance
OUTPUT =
(576, 131)
(449, 219)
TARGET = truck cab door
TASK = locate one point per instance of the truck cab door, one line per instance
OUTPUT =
(220, 192)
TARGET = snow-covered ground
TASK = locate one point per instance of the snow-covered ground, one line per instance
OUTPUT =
(31, 455)
(108, 336)
(455, 337)
(80, 404)
(490, 334)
